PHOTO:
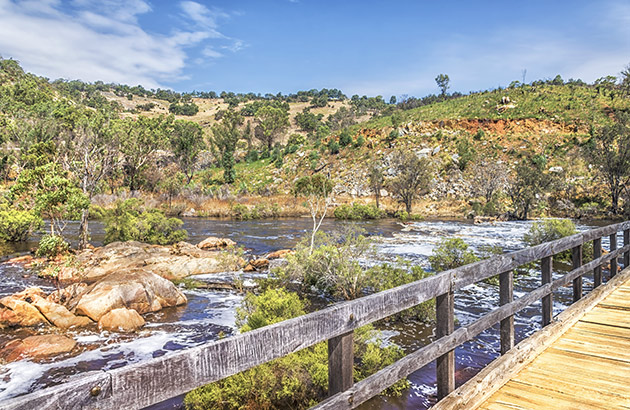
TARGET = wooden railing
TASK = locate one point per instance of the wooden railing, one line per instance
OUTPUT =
(143, 384)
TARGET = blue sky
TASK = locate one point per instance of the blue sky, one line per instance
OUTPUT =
(361, 47)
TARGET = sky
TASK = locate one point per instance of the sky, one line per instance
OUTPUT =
(363, 47)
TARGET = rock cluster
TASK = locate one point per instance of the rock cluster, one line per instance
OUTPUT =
(171, 262)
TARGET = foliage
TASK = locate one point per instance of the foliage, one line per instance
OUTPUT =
(358, 211)
(225, 136)
(609, 150)
(442, 81)
(412, 177)
(187, 143)
(530, 184)
(451, 253)
(258, 211)
(16, 225)
(141, 140)
(272, 122)
(52, 245)
(48, 191)
(550, 230)
(331, 266)
(296, 381)
(188, 109)
(129, 221)
(388, 276)
(466, 152)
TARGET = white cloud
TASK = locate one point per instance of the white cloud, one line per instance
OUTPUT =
(102, 40)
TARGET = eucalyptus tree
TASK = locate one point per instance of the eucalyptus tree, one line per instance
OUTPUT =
(272, 121)
(225, 135)
(90, 151)
(140, 141)
(609, 150)
(412, 176)
(187, 142)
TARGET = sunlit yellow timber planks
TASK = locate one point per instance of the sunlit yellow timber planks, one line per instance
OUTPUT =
(588, 367)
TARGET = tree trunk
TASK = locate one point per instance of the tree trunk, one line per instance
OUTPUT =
(377, 197)
(84, 233)
(408, 207)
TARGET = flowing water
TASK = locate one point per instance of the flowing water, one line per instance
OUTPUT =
(210, 314)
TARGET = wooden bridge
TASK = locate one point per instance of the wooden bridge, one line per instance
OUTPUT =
(578, 360)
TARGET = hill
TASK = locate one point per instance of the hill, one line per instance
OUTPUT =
(462, 136)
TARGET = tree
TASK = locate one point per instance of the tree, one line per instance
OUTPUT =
(529, 184)
(48, 190)
(225, 135)
(142, 139)
(90, 151)
(317, 190)
(609, 149)
(392, 100)
(272, 121)
(187, 142)
(625, 81)
(488, 178)
(376, 180)
(412, 177)
(442, 81)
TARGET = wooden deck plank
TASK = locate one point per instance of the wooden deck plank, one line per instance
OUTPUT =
(588, 367)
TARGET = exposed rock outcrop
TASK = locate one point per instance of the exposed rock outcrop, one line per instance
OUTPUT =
(36, 347)
(136, 289)
(171, 262)
(121, 320)
(212, 243)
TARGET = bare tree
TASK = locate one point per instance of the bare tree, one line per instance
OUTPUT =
(90, 152)
(317, 189)
(488, 178)
(376, 180)
(412, 178)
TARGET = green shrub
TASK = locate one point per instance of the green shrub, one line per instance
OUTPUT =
(357, 211)
(387, 276)
(345, 138)
(333, 147)
(296, 381)
(51, 246)
(17, 226)
(360, 141)
(551, 230)
(451, 253)
(129, 221)
(406, 216)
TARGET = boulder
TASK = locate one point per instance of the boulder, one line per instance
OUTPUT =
(58, 315)
(171, 262)
(21, 313)
(121, 320)
(212, 242)
(282, 253)
(36, 347)
(136, 289)
(69, 296)
(256, 264)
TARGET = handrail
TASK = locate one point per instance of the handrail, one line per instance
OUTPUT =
(143, 384)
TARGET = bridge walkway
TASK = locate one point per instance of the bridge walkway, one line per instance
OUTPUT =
(588, 367)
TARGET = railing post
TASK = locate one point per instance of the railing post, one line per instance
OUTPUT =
(340, 363)
(547, 301)
(506, 295)
(576, 257)
(613, 261)
(626, 242)
(445, 317)
(597, 253)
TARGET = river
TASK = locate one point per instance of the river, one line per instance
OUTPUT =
(210, 314)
